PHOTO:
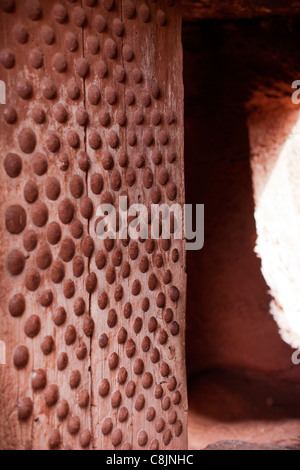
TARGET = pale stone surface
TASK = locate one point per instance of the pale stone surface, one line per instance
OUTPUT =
(275, 150)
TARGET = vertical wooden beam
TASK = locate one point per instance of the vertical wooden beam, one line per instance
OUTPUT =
(94, 111)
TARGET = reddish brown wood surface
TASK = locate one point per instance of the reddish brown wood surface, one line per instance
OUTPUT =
(88, 83)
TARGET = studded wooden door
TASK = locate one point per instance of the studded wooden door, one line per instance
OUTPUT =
(93, 330)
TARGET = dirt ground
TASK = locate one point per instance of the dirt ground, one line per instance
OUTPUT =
(230, 406)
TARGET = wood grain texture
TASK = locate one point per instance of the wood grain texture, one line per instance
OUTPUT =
(67, 101)
(237, 9)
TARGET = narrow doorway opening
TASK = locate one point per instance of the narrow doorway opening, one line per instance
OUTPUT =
(242, 383)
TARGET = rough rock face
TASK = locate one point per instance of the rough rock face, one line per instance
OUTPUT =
(237, 9)
(94, 330)
(240, 445)
(238, 116)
